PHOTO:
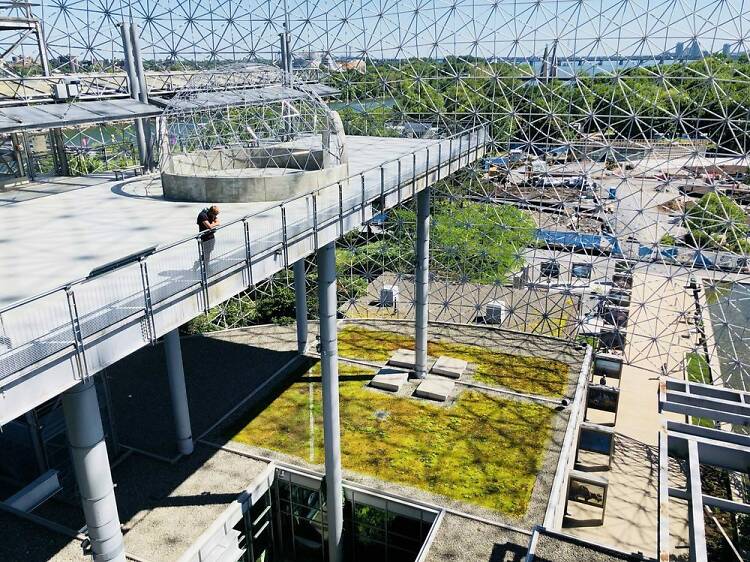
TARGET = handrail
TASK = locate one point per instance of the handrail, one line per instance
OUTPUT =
(104, 306)
(280, 204)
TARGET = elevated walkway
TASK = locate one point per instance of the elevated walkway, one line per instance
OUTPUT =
(51, 341)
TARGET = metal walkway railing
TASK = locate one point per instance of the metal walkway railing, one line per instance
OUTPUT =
(62, 319)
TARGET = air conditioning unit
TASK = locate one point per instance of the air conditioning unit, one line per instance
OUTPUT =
(495, 312)
(389, 295)
(60, 91)
(73, 89)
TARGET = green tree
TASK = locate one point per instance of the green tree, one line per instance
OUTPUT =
(717, 222)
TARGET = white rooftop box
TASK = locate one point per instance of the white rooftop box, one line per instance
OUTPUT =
(495, 312)
(389, 295)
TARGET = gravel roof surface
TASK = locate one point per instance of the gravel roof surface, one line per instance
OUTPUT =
(28, 542)
(460, 539)
(552, 549)
(169, 524)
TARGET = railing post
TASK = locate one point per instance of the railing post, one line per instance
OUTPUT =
(440, 160)
(398, 180)
(364, 201)
(204, 274)
(284, 238)
(413, 174)
(149, 310)
(248, 252)
(450, 155)
(427, 169)
(341, 209)
(83, 368)
(315, 220)
(382, 188)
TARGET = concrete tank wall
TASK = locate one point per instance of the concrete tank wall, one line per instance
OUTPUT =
(241, 175)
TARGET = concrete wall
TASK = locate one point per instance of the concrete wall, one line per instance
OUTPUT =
(246, 175)
(228, 188)
(213, 161)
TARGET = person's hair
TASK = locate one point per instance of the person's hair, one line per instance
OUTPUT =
(213, 209)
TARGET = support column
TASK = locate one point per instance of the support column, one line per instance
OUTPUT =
(422, 285)
(127, 48)
(178, 392)
(142, 91)
(300, 304)
(88, 451)
(330, 373)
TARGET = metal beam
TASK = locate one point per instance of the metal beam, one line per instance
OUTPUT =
(422, 286)
(330, 374)
(178, 392)
(697, 528)
(88, 452)
(732, 457)
(663, 545)
(300, 303)
(713, 501)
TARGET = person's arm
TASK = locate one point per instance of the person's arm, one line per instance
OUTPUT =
(207, 224)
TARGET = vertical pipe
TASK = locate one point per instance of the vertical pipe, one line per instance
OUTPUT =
(288, 50)
(178, 392)
(88, 451)
(329, 369)
(42, 43)
(142, 90)
(422, 284)
(300, 303)
(282, 46)
(140, 136)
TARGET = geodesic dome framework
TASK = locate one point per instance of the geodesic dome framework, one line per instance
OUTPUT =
(249, 134)
(647, 101)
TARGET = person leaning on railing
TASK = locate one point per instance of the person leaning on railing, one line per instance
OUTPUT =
(208, 219)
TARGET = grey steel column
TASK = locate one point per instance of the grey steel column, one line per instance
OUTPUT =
(127, 49)
(88, 451)
(178, 392)
(422, 286)
(300, 303)
(142, 90)
(330, 372)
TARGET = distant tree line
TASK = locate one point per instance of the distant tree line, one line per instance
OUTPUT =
(706, 98)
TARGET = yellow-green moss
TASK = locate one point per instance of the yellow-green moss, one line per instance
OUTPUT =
(484, 450)
(533, 375)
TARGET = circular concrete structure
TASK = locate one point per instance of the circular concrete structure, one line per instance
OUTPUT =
(246, 175)
(269, 140)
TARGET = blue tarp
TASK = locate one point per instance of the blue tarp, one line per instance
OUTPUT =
(379, 219)
(570, 239)
(648, 251)
(500, 161)
(577, 241)
(701, 260)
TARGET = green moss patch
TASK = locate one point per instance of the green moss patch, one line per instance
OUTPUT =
(484, 450)
(532, 375)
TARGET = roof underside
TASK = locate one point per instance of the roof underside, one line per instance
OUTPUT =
(24, 118)
(250, 96)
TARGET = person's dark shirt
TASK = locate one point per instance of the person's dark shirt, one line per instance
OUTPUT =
(205, 216)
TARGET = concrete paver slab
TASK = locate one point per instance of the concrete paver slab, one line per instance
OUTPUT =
(449, 367)
(435, 388)
(404, 358)
(389, 379)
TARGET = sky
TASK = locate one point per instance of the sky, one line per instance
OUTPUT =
(233, 30)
